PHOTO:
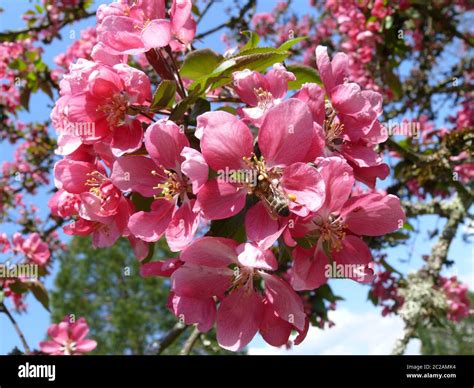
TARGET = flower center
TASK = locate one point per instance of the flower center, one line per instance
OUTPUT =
(264, 98)
(115, 109)
(333, 128)
(332, 231)
(69, 348)
(174, 185)
(95, 181)
(243, 277)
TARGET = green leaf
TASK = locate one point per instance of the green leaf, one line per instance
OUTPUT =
(200, 106)
(326, 293)
(25, 98)
(254, 39)
(164, 95)
(229, 109)
(394, 83)
(41, 294)
(232, 227)
(151, 253)
(46, 88)
(257, 59)
(200, 63)
(195, 10)
(303, 75)
(181, 108)
(141, 203)
(290, 43)
(18, 287)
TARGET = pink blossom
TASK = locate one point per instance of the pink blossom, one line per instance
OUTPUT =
(457, 296)
(173, 175)
(35, 250)
(261, 92)
(126, 27)
(284, 138)
(5, 245)
(68, 338)
(88, 194)
(335, 228)
(221, 268)
(94, 106)
(348, 122)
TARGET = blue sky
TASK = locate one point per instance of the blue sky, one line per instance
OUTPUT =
(360, 329)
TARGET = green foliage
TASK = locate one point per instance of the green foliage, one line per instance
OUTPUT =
(200, 63)
(164, 95)
(303, 75)
(126, 313)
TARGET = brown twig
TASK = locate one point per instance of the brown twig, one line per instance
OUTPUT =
(5, 310)
(188, 345)
(170, 337)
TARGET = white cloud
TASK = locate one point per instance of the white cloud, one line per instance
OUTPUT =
(366, 333)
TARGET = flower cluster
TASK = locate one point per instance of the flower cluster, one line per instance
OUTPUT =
(459, 306)
(285, 165)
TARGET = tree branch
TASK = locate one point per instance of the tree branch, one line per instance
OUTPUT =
(231, 23)
(420, 298)
(170, 337)
(5, 310)
(13, 35)
(188, 345)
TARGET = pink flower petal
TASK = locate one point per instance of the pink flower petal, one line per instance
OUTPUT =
(238, 319)
(285, 301)
(120, 35)
(164, 142)
(309, 267)
(160, 268)
(195, 311)
(261, 228)
(134, 173)
(355, 255)
(183, 227)
(286, 133)
(50, 347)
(71, 175)
(252, 256)
(150, 226)
(246, 82)
(305, 184)
(325, 69)
(313, 95)
(86, 346)
(225, 140)
(79, 331)
(211, 252)
(273, 329)
(219, 200)
(339, 180)
(157, 33)
(373, 214)
(127, 138)
(347, 98)
(195, 168)
(197, 281)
